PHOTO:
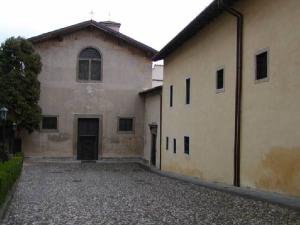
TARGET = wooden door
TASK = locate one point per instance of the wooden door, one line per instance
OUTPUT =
(87, 140)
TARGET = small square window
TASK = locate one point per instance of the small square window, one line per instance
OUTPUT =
(261, 66)
(49, 122)
(187, 145)
(126, 124)
(220, 80)
(174, 145)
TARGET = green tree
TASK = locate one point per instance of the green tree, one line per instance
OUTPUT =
(19, 85)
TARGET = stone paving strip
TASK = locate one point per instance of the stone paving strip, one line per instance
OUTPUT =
(127, 194)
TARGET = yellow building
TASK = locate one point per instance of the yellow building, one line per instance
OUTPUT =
(231, 83)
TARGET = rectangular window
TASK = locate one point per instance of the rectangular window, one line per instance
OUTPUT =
(83, 69)
(95, 70)
(220, 80)
(174, 145)
(49, 122)
(261, 66)
(167, 143)
(171, 95)
(126, 124)
(187, 145)
(187, 90)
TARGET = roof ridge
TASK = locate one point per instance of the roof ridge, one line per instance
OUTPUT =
(75, 27)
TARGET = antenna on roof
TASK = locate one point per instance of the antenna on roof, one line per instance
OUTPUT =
(92, 14)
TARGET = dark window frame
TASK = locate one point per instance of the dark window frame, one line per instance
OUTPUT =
(49, 129)
(266, 78)
(167, 143)
(186, 145)
(174, 146)
(90, 61)
(171, 95)
(218, 89)
(187, 91)
(126, 131)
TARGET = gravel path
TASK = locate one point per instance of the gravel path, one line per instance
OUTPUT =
(66, 193)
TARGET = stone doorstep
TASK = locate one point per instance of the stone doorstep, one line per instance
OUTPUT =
(123, 160)
(29, 160)
(269, 197)
(72, 160)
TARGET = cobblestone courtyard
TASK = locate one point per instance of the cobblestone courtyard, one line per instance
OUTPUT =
(74, 193)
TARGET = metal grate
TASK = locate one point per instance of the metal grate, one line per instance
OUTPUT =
(90, 53)
(95, 70)
(83, 70)
(125, 124)
(49, 122)
(89, 65)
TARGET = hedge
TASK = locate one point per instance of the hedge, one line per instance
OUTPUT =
(9, 173)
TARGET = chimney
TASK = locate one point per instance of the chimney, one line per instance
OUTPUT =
(112, 25)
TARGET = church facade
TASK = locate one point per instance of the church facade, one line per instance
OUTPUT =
(90, 82)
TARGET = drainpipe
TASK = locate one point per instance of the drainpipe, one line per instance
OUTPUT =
(238, 90)
(160, 128)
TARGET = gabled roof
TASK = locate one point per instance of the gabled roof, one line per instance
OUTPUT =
(150, 52)
(204, 18)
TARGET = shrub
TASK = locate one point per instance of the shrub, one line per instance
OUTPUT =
(3, 152)
(9, 173)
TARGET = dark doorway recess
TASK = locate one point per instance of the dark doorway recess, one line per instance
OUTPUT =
(153, 149)
(87, 139)
(153, 130)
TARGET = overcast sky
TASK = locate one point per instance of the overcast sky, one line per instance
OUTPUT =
(153, 22)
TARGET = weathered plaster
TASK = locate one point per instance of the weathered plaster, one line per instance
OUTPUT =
(270, 112)
(126, 71)
(280, 171)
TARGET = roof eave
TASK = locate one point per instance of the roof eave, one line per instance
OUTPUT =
(150, 52)
(151, 90)
(204, 18)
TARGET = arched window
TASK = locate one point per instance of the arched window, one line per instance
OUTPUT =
(89, 65)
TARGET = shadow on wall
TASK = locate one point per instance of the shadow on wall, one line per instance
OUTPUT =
(280, 171)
